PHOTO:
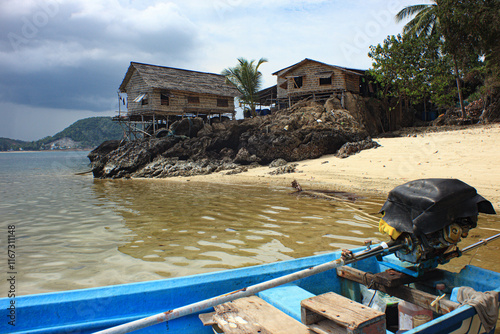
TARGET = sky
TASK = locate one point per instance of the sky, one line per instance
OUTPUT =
(63, 60)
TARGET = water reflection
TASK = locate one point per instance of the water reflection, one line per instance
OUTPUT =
(192, 228)
(76, 232)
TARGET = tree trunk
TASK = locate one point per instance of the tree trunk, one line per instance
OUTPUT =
(459, 87)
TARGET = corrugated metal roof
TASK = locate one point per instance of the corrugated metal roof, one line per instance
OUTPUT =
(170, 78)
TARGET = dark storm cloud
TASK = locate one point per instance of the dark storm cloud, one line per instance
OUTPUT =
(66, 55)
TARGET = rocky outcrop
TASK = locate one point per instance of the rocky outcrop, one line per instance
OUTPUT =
(190, 147)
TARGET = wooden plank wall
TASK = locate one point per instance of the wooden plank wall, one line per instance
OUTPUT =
(134, 88)
(352, 82)
(311, 72)
(178, 100)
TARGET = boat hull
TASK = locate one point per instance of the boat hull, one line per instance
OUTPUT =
(90, 310)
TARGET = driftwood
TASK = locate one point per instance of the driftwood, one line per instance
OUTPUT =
(346, 198)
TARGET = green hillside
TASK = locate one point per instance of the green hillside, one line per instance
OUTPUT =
(86, 133)
(7, 144)
(90, 132)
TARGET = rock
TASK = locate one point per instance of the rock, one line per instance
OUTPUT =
(349, 149)
(188, 127)
(278, 163)
(284, 169)
(103, 149)
(332, 104)
(244, 157)
(194, 148)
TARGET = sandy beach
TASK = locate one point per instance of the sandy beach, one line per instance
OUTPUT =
(470, 154)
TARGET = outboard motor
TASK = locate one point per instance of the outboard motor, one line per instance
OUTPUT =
(430, 216)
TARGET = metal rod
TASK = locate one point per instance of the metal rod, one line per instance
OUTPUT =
(251, 290)
(480, 243)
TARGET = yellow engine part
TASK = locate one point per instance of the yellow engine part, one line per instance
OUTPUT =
(383, 227)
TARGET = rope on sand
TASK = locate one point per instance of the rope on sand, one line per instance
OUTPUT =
(347, 203)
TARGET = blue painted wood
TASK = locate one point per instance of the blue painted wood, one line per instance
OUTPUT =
(287, 298)
(89, 310)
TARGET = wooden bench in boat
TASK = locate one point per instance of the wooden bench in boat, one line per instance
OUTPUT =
(279, 309)
(333, 313)
(252, 315)
(255, 315)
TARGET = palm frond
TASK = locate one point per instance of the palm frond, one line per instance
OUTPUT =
(410, 11)
(424, 22)
(247, 79)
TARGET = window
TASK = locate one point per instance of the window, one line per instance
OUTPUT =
(194, 99)
(325, 81)
(141, 97)
(222, 103)
(165, 100)
(297, 82)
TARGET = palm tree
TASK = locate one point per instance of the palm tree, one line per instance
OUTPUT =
(426, 23)
(247, 79)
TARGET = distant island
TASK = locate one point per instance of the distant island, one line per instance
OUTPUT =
(83, 134)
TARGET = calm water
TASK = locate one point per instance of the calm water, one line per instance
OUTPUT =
(76, 232)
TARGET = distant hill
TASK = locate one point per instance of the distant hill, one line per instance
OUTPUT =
(83, 134)
(8, 144)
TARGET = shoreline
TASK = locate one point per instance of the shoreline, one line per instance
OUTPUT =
(468, 154)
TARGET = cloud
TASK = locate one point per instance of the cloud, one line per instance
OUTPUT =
(73, 54)
(23, 122)
(55, 52)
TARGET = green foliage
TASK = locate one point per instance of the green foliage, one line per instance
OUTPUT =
(472, 32)
(88, 132)
(411, 68)
(469, 33)
(247, 78)
(7, 143)
(425, 21)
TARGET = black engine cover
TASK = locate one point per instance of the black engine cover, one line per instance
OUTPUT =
(428, 205)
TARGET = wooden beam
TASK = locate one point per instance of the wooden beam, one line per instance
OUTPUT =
(414, 296)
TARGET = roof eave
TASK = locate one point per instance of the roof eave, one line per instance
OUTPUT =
(126, 79)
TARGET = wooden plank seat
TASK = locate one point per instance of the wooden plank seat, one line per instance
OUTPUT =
(253, 315)
(332, 313)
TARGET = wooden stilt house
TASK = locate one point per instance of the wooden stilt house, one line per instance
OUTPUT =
(311, 79)
(155, 96)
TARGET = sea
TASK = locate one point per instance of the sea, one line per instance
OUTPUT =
(63, 230)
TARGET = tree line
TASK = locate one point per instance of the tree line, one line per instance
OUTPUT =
(448, 52)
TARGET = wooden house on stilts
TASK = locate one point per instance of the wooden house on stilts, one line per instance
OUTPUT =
(311, 79)
(155, 96)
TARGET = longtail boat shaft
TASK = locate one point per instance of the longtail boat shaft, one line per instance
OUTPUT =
(480, 243)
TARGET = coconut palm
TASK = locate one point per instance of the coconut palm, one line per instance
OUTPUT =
(425, 20)
(247, 79)
(426, 23)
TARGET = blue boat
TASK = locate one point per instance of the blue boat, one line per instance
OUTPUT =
(95, 309)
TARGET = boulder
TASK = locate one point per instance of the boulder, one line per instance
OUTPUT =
(305, 131)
